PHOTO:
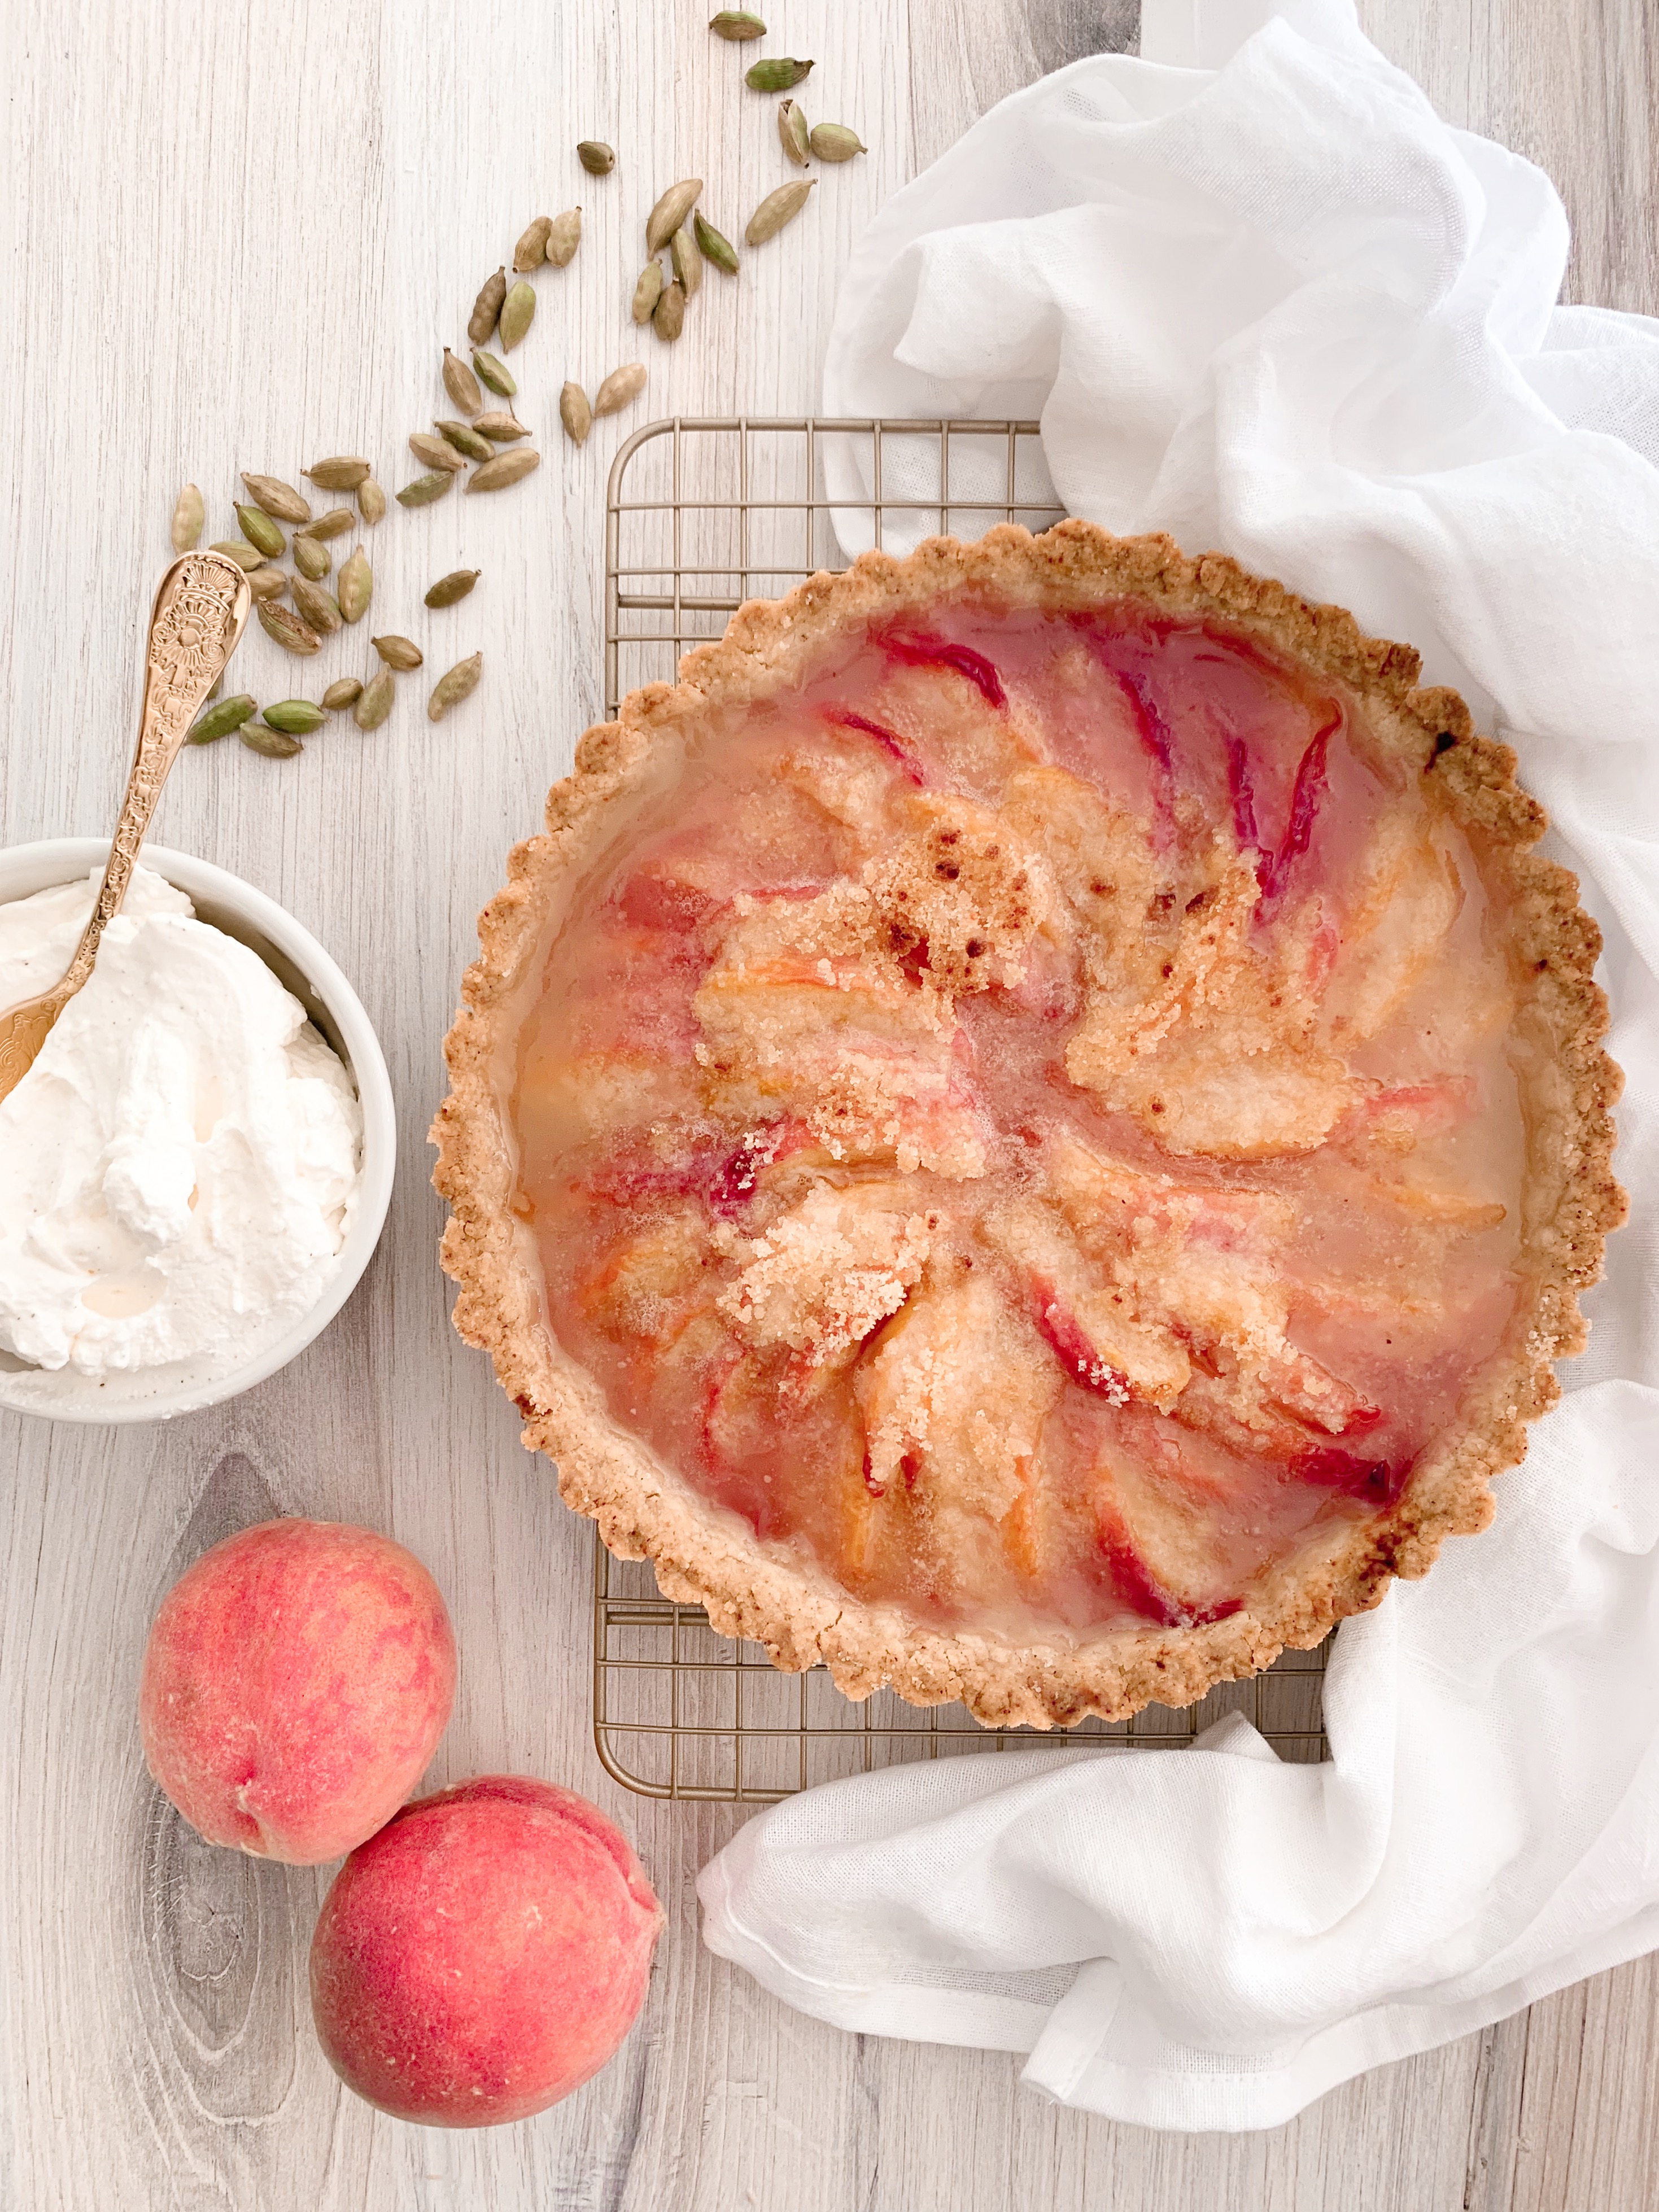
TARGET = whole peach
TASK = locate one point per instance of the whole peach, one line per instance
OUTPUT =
(483, 1954)
(295, 1684)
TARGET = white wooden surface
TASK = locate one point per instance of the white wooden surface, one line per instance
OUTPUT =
(239, 236)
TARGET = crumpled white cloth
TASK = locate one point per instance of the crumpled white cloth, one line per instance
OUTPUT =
(1269, 302)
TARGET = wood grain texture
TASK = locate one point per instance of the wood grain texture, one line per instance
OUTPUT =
(240, 237)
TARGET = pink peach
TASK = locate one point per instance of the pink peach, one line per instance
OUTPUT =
(483, 1954)
(297, 1680)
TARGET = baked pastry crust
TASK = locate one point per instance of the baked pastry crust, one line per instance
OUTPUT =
(799, 1612)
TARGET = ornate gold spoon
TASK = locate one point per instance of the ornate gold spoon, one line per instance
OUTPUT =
(199, 613)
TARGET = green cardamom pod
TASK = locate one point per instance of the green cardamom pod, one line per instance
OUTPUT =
(564, 235)
(453, 586)
(596, 157)
(506, 469)
(248, 557)
(487, 307)
(792, 130)
(287, 629)
(461, 384)
(320, 609)
(649, 291)
(777, 209)
(458, 683)
(834, 141)
(436, 453)
(399, 652)
(426, 489)
(781, 74)
(687, 262)
(344, 691)
(267, 584)
(273, 743)
(465, 440)
(313, 561)
(334, 524)
(374, 703)
(340, 472)
(356, 585)
(502, 427)
(622, 385)
(518, 312)
(221, 720)
(277, 498)
(371, 501)
(189, 513)
(713, 247)
(260, 530)
(298, 718)
(530, 251)
(576, 414)
(497, 374)
(737, 24)
(669, 319)
(670, 212)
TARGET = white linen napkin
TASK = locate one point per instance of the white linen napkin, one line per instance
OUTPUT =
(1267, 301)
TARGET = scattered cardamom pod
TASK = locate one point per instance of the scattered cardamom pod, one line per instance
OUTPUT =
(596, 157)
(461, 384)
(287, 629)
(575, 413)
(518, 312)
(713, 247)
(277, 498)
(792, 129)
(426, 489)
(320, 609)
(777, 209)
(781, 74)
(530, 251)
(356, 585)
(340, 472)
(670, 212)
(649, 291)
(220, 721)
(500, 425)
(371, 501)
(497, 374)
(622, 385)
(399, 652)
(273, 743)
(465, 440)
(669, 319)
(737, 24)
(458, 683)
(436, 453)
(344, 691)
(487, 307)
(267, 584)
(189, 513)
(311, 559)
(506, 469)
(261, 532)
(453, 586)
(334, 524)
(248, 557)
(687, 260)
(834, 141)
(297, 718)
(564, 235)
(374, 701)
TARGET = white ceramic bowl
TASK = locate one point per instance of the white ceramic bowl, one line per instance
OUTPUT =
(299, 962)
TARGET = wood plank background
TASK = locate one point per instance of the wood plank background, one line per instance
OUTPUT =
(238, 238)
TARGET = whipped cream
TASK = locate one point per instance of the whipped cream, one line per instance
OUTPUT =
(179, 1167)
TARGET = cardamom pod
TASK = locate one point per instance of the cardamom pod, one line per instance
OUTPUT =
(500, 425)
(371, 501)
(287, 629)
(261, 532)
(518, 312)
(497, 374)
(834, 141)
(596, 157)
(465, 440)
(781, 74)
(506, 469)
(334, 524)
(189, 513)
(375, 701)
(356, 585)
(277, 498)
(436, 453)
(458, 683)
(461, 384)
(575, 413)
(737, 24)
(792, 129)
(649, 291)
(530, 251)
(670, 212)
(344, 691)
(777, 209)
(669, 319)
(248, 557)
(487, 307)
(399, 652)
(564, 235)
(713, 247)
(267, 584)
(340, 472)
(220, 721)
(271, 743)
(622, 385)
(320, 609)
(453, 586)
(426, 489)
(297, 718)
(687, 262)
(313, 560)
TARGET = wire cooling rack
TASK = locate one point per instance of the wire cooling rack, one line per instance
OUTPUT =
(701, 514)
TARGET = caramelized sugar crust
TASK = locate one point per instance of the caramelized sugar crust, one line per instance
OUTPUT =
(1033, 1127)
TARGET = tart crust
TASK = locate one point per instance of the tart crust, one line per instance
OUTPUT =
(796, 1610)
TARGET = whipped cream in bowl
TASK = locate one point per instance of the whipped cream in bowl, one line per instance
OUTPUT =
(195, 1172)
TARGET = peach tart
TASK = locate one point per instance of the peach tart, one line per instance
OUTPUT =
(1032, 1128)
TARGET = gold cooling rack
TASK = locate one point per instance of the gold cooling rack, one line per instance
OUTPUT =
(701, 514)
